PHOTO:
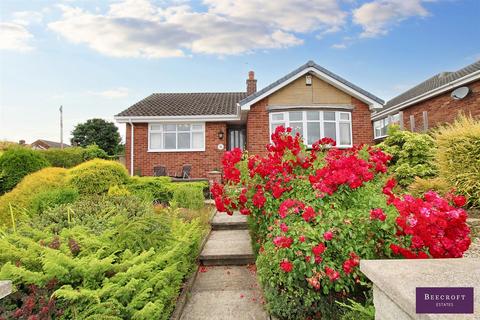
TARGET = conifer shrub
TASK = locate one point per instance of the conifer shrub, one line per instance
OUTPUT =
(21, 197)
(458, 156)
(52, 198)
(413, 155)
(188, 196)
(73, 156)
(153, 188)
(97, 176)
(16, 163)
(420, 186)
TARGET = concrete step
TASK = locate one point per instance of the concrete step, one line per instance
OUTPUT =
(223, 293)
(223, 221)
(227, 247)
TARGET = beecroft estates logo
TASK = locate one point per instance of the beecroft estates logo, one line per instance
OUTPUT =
(444, 300)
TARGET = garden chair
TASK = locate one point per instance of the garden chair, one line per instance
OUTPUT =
(186, 169)
(159, 171)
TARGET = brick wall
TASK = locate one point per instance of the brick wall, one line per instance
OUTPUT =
(258, 128)
(202, 162)
(442, 108)
(362, 127)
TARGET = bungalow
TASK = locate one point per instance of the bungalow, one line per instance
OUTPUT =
(435, 101)
(173, 129)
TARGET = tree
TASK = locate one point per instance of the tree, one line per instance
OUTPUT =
(97, 131)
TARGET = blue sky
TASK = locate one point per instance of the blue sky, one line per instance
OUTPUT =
(96, 58)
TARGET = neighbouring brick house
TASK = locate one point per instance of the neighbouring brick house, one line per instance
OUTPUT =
(173, 129)
(432, 102)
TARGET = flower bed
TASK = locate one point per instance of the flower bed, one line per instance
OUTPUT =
(315, 213)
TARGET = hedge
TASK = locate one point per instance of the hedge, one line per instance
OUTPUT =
(70, 157)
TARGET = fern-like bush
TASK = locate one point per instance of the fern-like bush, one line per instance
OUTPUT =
(458, 156)
(130, 268)
(187, 196)
(412, 154)
(20, 198)
(96, 176)
(16, 163)
(421, 186)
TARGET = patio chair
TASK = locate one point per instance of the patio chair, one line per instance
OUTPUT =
(159, 171)
(186, 169)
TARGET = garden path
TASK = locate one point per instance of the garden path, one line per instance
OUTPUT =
(226, 285)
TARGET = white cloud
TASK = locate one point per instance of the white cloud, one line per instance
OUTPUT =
(112, 93)
(339, 46)
(27, 17)
(378, 16)
(139, 28)
(14, 36)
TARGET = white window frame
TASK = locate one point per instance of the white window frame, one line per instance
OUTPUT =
(385, 122)
(150, 131)
(337, 121)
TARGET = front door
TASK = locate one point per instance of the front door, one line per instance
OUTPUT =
(236, 137)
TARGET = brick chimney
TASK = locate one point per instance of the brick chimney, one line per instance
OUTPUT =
(251, 83)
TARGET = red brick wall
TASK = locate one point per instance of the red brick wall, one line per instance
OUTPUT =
(442, 108)
(362, 127)
(258, 128)
(202, 162)
(258, 125)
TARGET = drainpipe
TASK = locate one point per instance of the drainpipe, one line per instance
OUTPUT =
(131, 146)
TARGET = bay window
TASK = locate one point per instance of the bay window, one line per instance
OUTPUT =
(316, 124)
(176, 137)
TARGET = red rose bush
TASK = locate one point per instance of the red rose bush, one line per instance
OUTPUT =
(315, 213)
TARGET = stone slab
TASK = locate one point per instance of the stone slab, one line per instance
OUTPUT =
(224, 293)
(223, 221)
(5, 288)
(398, 280)
(223, 243)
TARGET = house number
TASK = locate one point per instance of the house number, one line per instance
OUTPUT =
(220, 146)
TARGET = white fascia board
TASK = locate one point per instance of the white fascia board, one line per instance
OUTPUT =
(429, 94)
(208, 118)
(372, 103)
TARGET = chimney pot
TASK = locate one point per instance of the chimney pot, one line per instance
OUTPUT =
(251, 83)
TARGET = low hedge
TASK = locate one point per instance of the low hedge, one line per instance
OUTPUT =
(16, 163)
(71, 157)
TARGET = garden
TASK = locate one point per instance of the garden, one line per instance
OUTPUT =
(315, 213)
(84, 240)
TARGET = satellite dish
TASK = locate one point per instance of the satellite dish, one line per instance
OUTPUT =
(460, 93)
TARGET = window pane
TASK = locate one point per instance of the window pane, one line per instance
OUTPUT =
(170, 127)
(169, 140)
(183, 140)
(277, 116)
(378, 132)
(275, 125)
(329, 130)
(295, 116)
(344, 116)
(155, 141)
(197, 140)
(296, 127)
(197, 127)
(183, 127)
(313, 130)
(155, 127)
(328, 115)
(313, 115)
(378, 124)
(345, 134)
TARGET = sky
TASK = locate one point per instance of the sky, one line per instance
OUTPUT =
(96, 58)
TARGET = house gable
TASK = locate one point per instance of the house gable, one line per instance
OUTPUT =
(297, 93)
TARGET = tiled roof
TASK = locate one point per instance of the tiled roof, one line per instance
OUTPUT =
(434, 82)
(51, 144)
(185, 104)
(321, 69)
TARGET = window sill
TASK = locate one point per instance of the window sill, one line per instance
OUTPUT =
(380, 137)
(175, 150)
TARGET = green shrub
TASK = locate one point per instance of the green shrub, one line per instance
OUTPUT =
(70, 157)
(420, 186)
(118, 191)
(16, 163)
(96, 176)
(188, 196)
(458, 156)
(412, 155)
(52, 198)
(21, 197)
(155, 189)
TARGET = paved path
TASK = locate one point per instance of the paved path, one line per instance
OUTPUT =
(226, 287)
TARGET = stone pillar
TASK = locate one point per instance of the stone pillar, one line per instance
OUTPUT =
(395, 283)
(214, 176)
(5, 288)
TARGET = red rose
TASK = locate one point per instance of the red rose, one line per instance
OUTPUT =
(459, 201)
(328, 235)
(286, 266)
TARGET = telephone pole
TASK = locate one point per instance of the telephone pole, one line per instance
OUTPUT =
(61, 127)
